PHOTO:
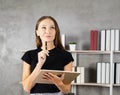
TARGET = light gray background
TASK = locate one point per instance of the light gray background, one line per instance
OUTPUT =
(75, 18)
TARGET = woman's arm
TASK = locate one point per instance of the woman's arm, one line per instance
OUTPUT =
(27, 78)
(65, 88)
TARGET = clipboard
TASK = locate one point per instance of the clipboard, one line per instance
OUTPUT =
(69, 76)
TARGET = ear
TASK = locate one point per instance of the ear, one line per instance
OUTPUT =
(37, 32)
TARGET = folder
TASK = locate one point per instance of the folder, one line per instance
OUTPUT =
(69, 76)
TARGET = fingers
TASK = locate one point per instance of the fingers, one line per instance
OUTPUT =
(46, 52)
(42, 56)
(51, 77)
(48, 76)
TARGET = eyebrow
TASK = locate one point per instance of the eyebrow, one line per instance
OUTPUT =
(50, 25)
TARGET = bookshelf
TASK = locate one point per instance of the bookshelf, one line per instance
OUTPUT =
(111, 55)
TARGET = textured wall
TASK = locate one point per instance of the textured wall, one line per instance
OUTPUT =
(75, 18)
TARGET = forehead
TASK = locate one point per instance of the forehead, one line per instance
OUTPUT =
(47, 22)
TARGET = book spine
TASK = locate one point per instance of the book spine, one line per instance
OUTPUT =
(79, 77)
(95, 40)
(107, 79)
(117, 73)
(82, 74)
(103, 72)
(103, 34)
(112, 39)
(108, 40)
(99, 65)
(117, 40)
(91, 40)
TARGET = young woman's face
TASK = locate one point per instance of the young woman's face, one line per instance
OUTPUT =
(46, 30)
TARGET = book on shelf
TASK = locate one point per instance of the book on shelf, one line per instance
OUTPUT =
(108, 38)
(103, 72)
(82, 74)
(99, 70)
(80, 78)
(112, 39)
(117, 39)
(113, 73)
(107, 71)
(103, 38)
(117, 73)
(93, 39)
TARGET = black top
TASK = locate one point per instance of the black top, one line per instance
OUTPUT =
(56, 60)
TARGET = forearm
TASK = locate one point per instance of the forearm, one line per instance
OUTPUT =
(29, 82)
(65, 88)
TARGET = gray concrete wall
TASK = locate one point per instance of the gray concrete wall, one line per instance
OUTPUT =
(75, 18)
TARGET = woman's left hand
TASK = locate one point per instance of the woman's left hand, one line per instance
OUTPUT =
(55, 79)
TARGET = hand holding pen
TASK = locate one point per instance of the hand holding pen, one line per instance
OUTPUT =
(42, 55)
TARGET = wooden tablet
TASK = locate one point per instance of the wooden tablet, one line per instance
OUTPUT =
(69, 76)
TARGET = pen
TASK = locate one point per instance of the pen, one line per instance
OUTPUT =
(45, 45)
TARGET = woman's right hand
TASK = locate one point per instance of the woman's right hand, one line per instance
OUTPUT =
(42, 56)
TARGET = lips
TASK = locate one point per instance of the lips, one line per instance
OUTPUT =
(48, 36)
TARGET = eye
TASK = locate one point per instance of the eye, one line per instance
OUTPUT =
(52, 27)
(43, 27)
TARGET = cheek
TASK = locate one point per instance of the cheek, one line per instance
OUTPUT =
(54, 34)
(41, 35)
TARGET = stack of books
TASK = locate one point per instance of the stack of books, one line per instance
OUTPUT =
(103, 72)
(105, 40)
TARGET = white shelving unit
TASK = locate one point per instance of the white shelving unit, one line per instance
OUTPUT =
(87, 52)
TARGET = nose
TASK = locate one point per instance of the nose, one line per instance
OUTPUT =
(47, 30)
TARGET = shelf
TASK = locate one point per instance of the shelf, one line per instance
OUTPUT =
(116, 85)
(92, 84)
(90, 52)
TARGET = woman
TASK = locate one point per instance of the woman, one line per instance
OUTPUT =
(49, 54)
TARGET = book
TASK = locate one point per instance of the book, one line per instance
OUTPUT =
(107, 79)
(99, 72)
(103, 35)
(95, 43)
(108, 42)
(117, 73)
(112, 39)
(69, 76)
(93, 39)
(81, 77)
(103, 72)
(117, 40)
